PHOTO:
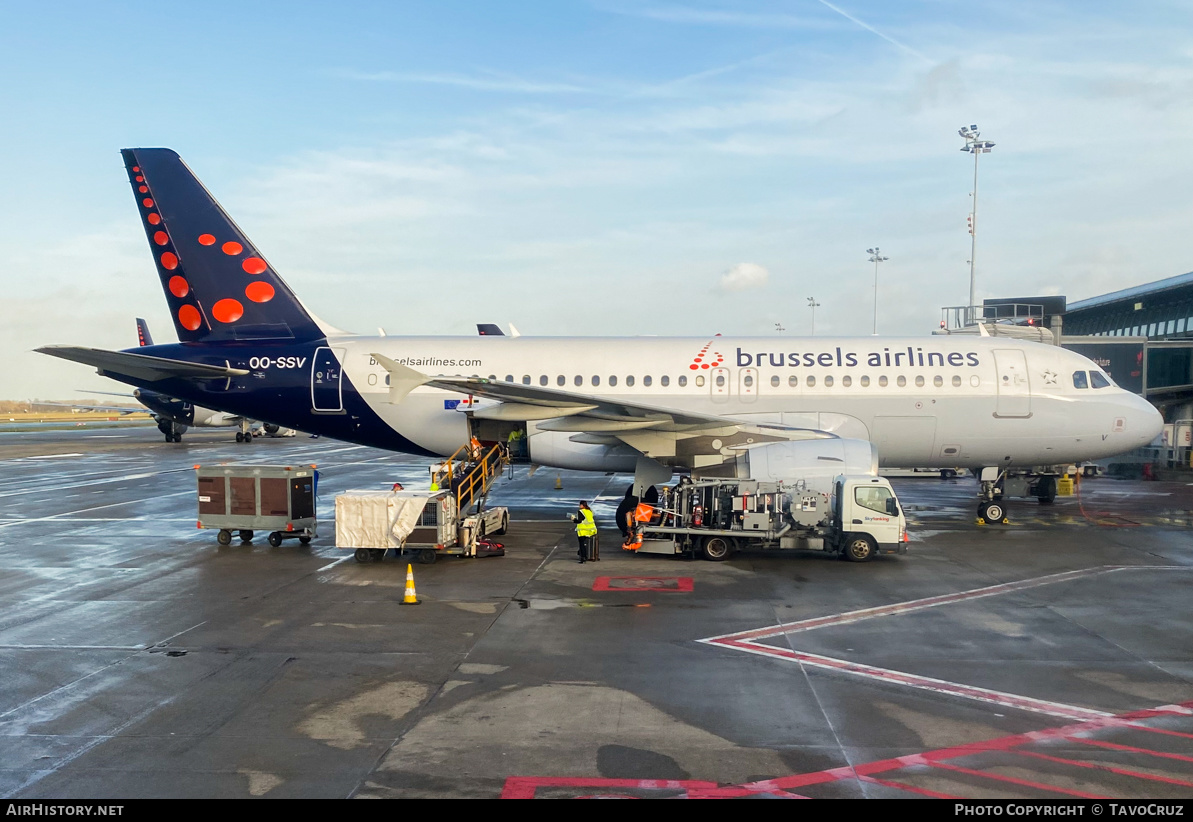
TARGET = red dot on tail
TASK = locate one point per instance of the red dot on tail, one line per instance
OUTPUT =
(143, 189)
(227, 310)
(259, 292)
(136, 168)
(232, 248)
(179, 287)
(705, 365)
(169, 261)
(140, 179)
(206, 239)
(154, 218)
(160, 237)
(189, 318)
(253, 265)
(148, 203)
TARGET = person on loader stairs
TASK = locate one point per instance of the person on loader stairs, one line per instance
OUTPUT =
(586, 529)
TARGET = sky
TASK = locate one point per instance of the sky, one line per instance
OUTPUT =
(593, 168)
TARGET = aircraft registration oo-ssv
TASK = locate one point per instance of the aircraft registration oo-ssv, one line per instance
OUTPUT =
(248, 346)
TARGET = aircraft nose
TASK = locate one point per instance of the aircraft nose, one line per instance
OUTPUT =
(1144, 419)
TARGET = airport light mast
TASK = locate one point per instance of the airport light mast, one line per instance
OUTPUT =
(876, 258)
(975, 147)
(812, 304)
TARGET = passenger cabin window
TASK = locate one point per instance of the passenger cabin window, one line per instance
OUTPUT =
(902, 381)
(509, 377)
(865, 382)
(1098, 380)
(629, 380)
(847, 381)
(810, 381)
(543, 379)
(613, 381)
(596, 380)
(721, 380)
(560, 380)
(1079, 380)
(793, 381)
(882, 382)
(683, 380)
(828, 381)
(749, 381)
(874, 497)
(938, 381)
(579, 381)
(665, 380)
(774, 381)
(526, 379)
(699, 380)
(956, 381)
(919, 382)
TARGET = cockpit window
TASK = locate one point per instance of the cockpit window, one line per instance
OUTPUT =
(1098, 379)
(1079, 380)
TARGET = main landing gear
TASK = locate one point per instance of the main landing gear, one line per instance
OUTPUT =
(245, 434)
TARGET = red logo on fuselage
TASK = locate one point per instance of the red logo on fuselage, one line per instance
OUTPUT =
(705, 359)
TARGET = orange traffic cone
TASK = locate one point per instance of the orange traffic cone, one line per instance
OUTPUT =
(410, 598)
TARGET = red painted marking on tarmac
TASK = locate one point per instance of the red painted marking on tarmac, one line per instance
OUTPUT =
(1114, 746)
(1040, 786)
(681, 585)
(903, 786)
(1094, 766)
(524, 787)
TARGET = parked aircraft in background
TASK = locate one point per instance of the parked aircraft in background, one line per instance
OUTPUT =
(642, 404)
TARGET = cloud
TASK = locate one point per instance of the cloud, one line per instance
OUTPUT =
(487, 81)
(743, 277)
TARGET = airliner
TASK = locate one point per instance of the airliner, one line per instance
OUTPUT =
(247, 345)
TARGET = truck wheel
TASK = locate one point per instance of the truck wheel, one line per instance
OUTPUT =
(859, 548)
(305, 540)
(427, 556)
(1046, 490)
(245, 535)
(716, 549)
(275, 539)
(376, 554)
(948, 473)
(505, 524)
(362, 555)
(224, 537)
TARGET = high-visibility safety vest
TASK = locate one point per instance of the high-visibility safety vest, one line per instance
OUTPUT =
(587, 526)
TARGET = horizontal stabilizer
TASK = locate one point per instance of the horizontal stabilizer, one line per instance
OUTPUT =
(140, 366)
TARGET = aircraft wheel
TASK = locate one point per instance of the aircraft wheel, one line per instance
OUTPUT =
(245, 535)
(169, 438)
(716, 549)
(1046, 490)
(362, 555)
(992, 512)
(948, 473)
(427, 556)
(275, 539)
(859, 548)
(239, 437)
(247, 438)
(224, 537)
(177, 438)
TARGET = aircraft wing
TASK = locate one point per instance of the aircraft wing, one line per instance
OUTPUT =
(118, 409)
(139, 366)
(585, 414)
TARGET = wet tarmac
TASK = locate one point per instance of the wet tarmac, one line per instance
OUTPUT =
(1048, 658)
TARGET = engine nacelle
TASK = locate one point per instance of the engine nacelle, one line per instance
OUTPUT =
(815, 463)
(554, 449)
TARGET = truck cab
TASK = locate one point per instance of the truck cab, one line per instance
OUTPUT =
(868, 518)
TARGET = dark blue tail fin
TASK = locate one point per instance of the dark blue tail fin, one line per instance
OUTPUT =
(217, 284)
(143, 336)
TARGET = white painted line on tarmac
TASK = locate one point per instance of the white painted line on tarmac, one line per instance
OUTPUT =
(124, 478)
(59, 517)
(52, 456)
(334, 564)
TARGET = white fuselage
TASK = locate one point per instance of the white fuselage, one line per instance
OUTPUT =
(940, 400)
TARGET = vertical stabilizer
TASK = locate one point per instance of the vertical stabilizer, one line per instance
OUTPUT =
(218, 285)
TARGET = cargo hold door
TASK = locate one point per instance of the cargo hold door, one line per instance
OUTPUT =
(1014, 388)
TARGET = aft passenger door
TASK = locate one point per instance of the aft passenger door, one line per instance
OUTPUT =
(1014, 387)
(326, 373)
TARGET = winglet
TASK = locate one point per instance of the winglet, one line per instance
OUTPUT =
(402, 380)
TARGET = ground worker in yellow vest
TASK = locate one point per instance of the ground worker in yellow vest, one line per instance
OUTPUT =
(585, 530)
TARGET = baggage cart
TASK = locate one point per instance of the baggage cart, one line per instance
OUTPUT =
(423, 523)
(248, 498)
